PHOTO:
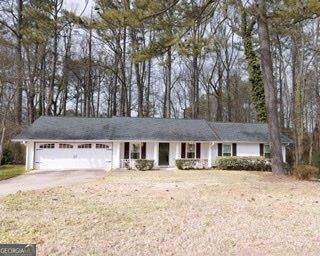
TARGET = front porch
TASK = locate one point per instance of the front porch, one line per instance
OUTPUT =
(165, 154)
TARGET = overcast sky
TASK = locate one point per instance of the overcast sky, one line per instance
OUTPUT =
(79, 5)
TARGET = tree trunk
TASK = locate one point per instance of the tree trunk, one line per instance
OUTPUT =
(228, 87)
(140, 89)
(254, 67)
(195, 87)
(19, 79)
(219, 111)
(270, 91)
(54, 64)
(2, 141)
(168, 84)
(65, 73)
(297, 73)
(280, 69)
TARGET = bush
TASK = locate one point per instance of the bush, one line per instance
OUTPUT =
(144, 164)
(305, 172)
(7, 157)
(244, 163)
(316, 159)
(189, 164)
(13, 153)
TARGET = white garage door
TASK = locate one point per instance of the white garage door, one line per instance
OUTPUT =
(68, 156)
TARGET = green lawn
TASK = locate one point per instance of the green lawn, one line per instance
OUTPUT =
(9, 171)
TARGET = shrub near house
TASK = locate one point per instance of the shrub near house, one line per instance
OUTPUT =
(244, 163)
(190, 164)
(144, 164)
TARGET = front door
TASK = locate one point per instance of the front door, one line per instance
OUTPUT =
(163, 153)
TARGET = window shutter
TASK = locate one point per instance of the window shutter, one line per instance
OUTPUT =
(219, 149)
(234, 149)
(183, 150)
(198, 150)
(261, 149)
(143, 150)
(126, 150)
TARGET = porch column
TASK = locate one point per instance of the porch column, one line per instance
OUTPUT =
(116, 155)
(178, 155)
(284, 153)
(27, 156)
(30, 155)
(156, 153)
(210, 154)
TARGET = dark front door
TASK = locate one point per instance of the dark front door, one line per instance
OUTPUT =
(163, 153)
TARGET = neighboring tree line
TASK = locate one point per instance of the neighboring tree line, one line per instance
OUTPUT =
(222, 60)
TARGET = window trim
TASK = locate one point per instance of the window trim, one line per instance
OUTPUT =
(265, 151)
(84, 146)
(223, 153)
(140, 150)
(102, 146)
(195, 150)
(68, 146)
(45, 146)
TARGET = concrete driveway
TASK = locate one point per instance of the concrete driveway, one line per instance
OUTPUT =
(47, 179)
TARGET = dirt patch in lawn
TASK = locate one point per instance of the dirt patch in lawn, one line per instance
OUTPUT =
(168, 213)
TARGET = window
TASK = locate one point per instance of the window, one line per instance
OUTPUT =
(267, 151)
(135, 150)
(84, 146)
(226, 150)
(49, 145)
(191, 150)
(102, 146)
(63, 145)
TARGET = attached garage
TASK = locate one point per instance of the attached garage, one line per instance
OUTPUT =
(69, 156)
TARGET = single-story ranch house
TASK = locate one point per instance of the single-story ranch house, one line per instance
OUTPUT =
(62, 143)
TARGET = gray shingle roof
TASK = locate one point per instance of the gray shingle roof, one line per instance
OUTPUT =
(161, 129)
(118, 128)
(67, 128)
(133, 128)
(246, 132)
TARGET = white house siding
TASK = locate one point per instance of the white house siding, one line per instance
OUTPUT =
(245, 149)
(150, 150)
(248, 149)
(172, 153)
(214, 152)
(204, 150)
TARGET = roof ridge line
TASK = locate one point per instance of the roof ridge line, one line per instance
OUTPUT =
(236, 123)
(160, 118)
(212, 129)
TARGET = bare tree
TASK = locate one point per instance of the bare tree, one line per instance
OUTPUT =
(270, 91)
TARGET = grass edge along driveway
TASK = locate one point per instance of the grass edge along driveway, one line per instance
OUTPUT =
(10, 171)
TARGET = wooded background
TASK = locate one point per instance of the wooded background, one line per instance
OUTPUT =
(166, 58)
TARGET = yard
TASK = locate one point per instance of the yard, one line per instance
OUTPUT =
(9, 171)
(168, 213)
